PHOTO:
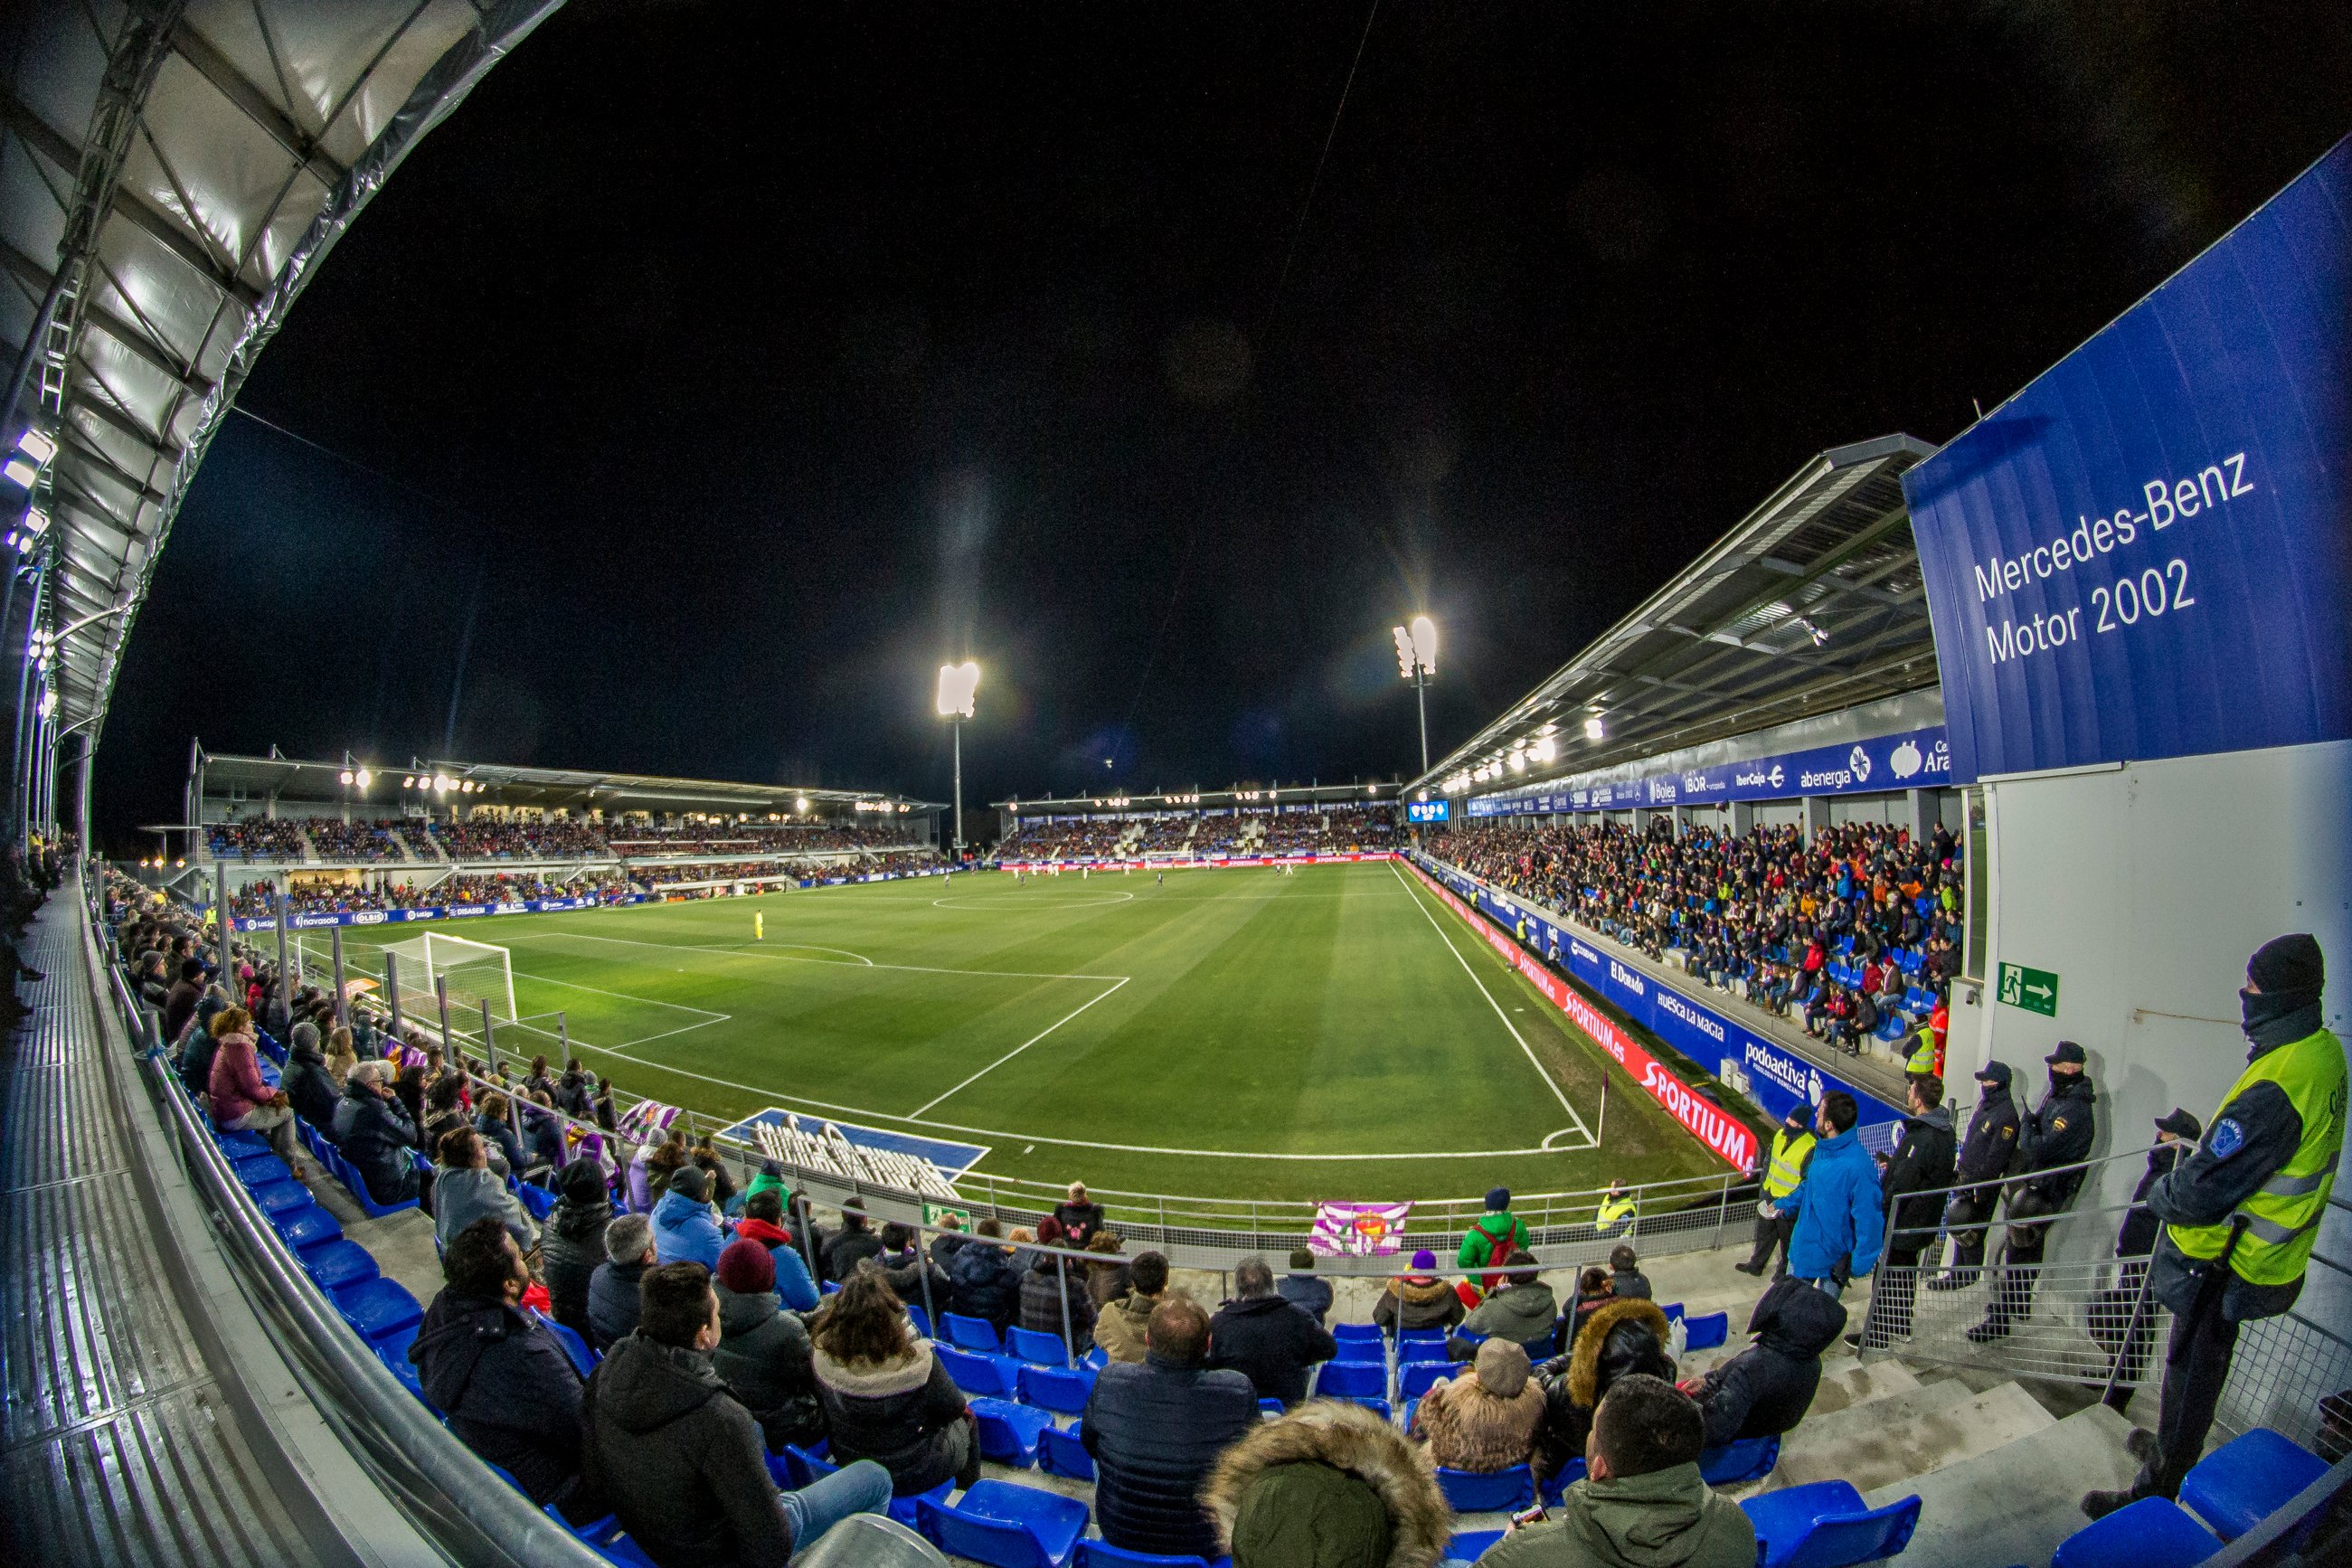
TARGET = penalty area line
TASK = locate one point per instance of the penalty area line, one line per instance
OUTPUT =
(1017, 1049)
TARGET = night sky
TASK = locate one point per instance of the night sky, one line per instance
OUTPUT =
(716, 370)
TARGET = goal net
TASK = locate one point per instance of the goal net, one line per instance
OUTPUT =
(475, 971)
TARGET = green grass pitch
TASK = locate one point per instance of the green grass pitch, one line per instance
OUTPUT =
(1238, 1034)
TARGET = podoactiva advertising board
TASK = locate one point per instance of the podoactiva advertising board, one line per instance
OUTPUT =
(2147, 552)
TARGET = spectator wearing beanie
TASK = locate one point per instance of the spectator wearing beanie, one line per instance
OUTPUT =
(1261, 1334)
(573, 1245)
(851, 1245)
(685, 1230)
(308, 1087)
(1155, 1427)
(1419, 1299)
(1302, 1290)
(1491, 1240)
(763, 1221)
(764, 1352)
(1486, 1421)
(1330, 1485)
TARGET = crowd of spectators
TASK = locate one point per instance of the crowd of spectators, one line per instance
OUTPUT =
(646, 839)
(1853, 930)
(1064, 841)
(258, 900)
(548, 839)
(1342, 829)
(257, 839)
(335, 840)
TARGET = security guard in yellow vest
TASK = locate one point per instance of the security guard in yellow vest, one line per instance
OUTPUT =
(2240, 1213)
(1784, 1170)
(1921, 1062)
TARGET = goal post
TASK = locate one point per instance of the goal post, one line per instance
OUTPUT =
(474, 972)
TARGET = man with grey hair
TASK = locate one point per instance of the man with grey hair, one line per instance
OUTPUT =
(612, 1302)
(1260, 1333)
(373, 1132)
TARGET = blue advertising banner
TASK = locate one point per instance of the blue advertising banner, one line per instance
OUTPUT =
(1427, 810)
(1767, 1072)
(2147, 552)
(1909, 759)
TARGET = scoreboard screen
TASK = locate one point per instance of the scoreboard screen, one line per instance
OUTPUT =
(1427, 810)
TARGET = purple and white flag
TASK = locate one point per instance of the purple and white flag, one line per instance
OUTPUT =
(1358, 1230)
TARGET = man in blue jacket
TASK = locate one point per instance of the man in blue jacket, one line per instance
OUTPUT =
(685, 1230)
(1840, 1226)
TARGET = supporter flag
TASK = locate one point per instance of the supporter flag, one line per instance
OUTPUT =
(645, 1121)
(1358, 1230)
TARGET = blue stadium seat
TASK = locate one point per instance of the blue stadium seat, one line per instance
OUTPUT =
(1103, 1555)
(1566, 1476)
(1060, 1453)
(236, 1145)
(1379, 1407)
(1503, 1491)
(2154, 1533)
(278, 1197)
(802, 1466)
(1037, 1349)
(995, 1376)
(1742, 1459)
(1411, 1413)
(1413, 1337)
(1469, 1545)
(1416, 1378)
(1095, 1359)
(1825, 1525)
(1008, 1432)
(1352, 1380)
(309, 1226)
(349, 1175)
(2247, 1479)
(583, 1360)
(401, 1367)
(920, 1319)
(1006, 1526)
(536, 1199)
(1270, 1408)
(259, 1169)
(1674, 1311)
(377, 1308)
(336, 1265)
(970, 1333)
(1051, 1388)
(1343, 1332)
(1706, 1333)
(1362, 1352)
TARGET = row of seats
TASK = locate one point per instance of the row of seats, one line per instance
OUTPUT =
(2227, 1493)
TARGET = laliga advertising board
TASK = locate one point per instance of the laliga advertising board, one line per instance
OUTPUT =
(2147, 552)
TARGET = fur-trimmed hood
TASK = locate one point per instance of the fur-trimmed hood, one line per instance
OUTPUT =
(1419, 1288)
(1356, 1443)
(875, 1380)
(1584, 1364)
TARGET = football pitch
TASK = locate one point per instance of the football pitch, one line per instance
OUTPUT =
(1241, 1033)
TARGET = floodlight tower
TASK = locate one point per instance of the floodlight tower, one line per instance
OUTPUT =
(1416, 646)
(958, 684)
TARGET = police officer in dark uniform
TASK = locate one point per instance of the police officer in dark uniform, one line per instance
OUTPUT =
(2240, 1214)
(1986, 1152)
(2057, 1134)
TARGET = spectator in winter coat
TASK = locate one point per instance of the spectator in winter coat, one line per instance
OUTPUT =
(682, 1461)
(613, 1287)
(1626, 1280)
(1486, 1420)
(1922, 1163)
(1260, 1334)
(465, 1189)
(1079, 1216)
(180, 1002)
(308, 1086)
(490, 1121)
(1122, 1328)
(1330, 1485)
(1053, 1301)
(1984, 1159)
(763, 1350)
(907, 1269)
(685, 1230)
(1492, 1238)
(372, 1132)
(1766, 1388)
(241, 1101)
(886, 1398)
(572, 1248)
(986, 1283)
(1840, 1226)
(506, 1385)
(1302, 1290)
(948, 1243)
(1523, 1311)
(851, 1245)
(1623, 1337)
(1107, 1279)
(1419, 1299)
(1155, 1428)
(763, 1221)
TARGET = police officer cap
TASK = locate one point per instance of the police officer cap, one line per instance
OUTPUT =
(2289, 964)
(2180, 1123)
(1994, 1073)
(2067, 1051)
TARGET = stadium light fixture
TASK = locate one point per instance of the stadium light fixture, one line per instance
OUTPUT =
(1545, 750)
(1416, 648)
(1594, 729)
(20, 470)
(364, 778)
(346, 778)
(801, 805)
(37, 445)
(36, 520)
(958, 683)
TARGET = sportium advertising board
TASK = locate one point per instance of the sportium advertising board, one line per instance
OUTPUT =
(2148, 552)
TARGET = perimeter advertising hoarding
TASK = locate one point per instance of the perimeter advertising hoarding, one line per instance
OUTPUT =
(2148, 552)
(1775, 1077)
(1909, 759)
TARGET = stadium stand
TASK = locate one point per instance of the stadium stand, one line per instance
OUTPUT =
(478, 838)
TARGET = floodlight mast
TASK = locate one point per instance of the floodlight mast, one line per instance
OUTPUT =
(958, 683)
(1416, 646)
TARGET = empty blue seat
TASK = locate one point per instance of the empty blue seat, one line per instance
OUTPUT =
(1051, 1388)
(1742, 1459)
(1469, 1545)
(970, 1333)
(1503, 1491)
(278, 1197)
(1416, 1378)
(1343, 1332)
(235, 1144)
(1421, 1337)
(583, 1360)
(1706, 1333)
(1095, 1359)
(2247, 1479)
(401, 1367)
(1103, 1555)
(1379, 1407)
(1352, 1380)
(1060, 1453)
(1362, 1352)
(2154, 1533)
(1272, 1408)
(308, 1226)
(349, 1175)
(1008, 1432)
(338, 1264)
(1005, 1526)
(377, 1308)
(1825, 1525)
(974, 1373)
(1037, 1349)
(536, 1199)
(257, 1170)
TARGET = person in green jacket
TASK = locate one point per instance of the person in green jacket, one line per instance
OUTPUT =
(1643, 1503)
(1492, 1238)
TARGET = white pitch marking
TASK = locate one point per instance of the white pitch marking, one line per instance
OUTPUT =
(1015, 901)
(1016, 1051)
(788, 957)
(1557, 1093)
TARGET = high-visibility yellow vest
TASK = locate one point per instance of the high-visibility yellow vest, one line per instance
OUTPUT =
(1614, 1211)
(2282, 1219)
(1787, 1170)
(1923, 1051)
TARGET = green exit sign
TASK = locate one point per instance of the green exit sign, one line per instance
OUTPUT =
(2035, 990)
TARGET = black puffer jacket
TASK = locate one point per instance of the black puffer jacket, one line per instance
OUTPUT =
(612, 1304)
(1271, 1342)
(510, 1392)
(377, 1137)
(680, 1460)
(1043, 1293)
(1766, 1388)
(764, 1355)
(986, 1284)
(1155, 1429)
(904, 1271)
(572, 1244)
(1618, 1338)
(897, 1414)
(845, 1248)
(1921, 1165)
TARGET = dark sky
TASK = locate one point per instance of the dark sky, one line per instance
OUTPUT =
(716, 370)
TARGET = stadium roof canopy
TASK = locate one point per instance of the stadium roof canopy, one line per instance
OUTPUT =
(1812, 604)
(496, 783)
(172, 172)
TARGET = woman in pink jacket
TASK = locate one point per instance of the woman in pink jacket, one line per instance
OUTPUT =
(241, 1100)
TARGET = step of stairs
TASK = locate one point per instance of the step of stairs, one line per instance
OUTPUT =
(1900, 1435)
(2016, 1504)
(1847, 1383)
